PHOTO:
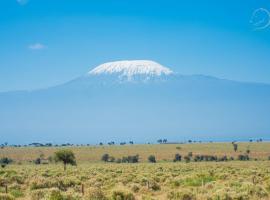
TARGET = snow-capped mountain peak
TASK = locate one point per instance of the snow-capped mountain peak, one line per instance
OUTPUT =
(130, 68)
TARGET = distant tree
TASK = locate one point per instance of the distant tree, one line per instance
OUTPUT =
(177, 157)
(105, 157)
(165, 141)
(235, 147)
(5, 161)
(133, 159)
(250, 140)
(124, 159)
(152, 159)
(248, 151)
(159, 141)
(243, 157)
(65, 156)
(122, 143)
(100, 143)
(131, 142)
(37, 161)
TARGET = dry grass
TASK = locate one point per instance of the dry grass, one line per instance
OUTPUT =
(187, 181)
(162, 152)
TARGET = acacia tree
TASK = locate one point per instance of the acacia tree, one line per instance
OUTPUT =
(65, 156)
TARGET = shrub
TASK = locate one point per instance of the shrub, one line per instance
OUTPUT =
(177, 157)
(268, 157)
(154, 186)
(152, 159)
(37, 194)
(37, 161)
(243, 157)
(122, 195)
(16, 192)
(56, 195)
(131, 159)
(181, 195)
(105, 157)
(6, 197)
(95, 194)
(5, 161)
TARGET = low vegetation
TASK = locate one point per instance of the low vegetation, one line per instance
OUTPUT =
(182, 172)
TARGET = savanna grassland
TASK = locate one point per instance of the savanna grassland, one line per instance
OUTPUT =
(165, 179)
(163, 152)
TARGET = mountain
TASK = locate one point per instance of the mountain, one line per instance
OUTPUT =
(137, 100)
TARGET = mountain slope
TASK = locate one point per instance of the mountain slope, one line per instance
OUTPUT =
(140, 101)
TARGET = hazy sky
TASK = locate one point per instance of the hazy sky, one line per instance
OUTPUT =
(47, 42)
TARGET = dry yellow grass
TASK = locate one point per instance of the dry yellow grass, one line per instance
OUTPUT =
(162, 152)
(142, 181)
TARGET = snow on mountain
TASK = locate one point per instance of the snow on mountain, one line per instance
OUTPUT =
(130, 68)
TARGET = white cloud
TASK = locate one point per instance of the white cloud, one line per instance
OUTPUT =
(22, 2)
(36, 46)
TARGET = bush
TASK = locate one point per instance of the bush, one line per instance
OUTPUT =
(37, 161)
(177, 157)
(95, 194)
(122, 195)
(56, 195)
(154, 186)
(6, 197)
(5, 161)
(152, 159)
(131, 159)
(105, 157)
(181, 195)
(243, 157)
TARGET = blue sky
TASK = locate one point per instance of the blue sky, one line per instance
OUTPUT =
(48, 42)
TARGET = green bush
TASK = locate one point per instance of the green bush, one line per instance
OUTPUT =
(152, 159)
(177, 157)
(56, 195)
(105, 157)
(95, 194)
(181, 195)
(5, 161)
(243, 157)
(6, 197)
(122, 195)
